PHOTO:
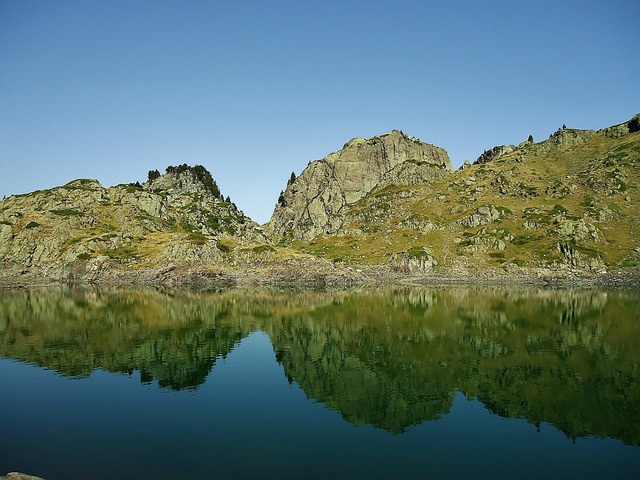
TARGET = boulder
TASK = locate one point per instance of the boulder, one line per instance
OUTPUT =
(481, 216)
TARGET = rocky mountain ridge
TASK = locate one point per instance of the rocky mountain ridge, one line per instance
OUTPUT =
(389, 207)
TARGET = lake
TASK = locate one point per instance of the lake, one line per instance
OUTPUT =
(103, 383)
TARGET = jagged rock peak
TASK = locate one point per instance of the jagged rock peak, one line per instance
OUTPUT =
(185, 179)
(311, 205)
(622, 129)
(494, 153)
(84, 184)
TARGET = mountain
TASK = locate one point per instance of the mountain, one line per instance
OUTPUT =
(313, 203)
(78, 230)
(380, 209)
(568, 203)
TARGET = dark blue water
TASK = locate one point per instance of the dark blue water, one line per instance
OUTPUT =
(248, 416)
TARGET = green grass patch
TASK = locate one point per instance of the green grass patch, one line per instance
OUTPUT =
(592, 252)
(122, 253)
(417, 252)
(263, 248)
(32, 225)
(587, 201)
(223, 246)
(171, 224)
(212, 222)
(187, 227)
(66, 212)
(197, 238)
(558, 210)
(524, 239)
(629, 262)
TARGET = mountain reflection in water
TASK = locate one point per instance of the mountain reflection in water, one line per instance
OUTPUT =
(389, 358)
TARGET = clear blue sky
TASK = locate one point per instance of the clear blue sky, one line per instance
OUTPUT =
(254, 90)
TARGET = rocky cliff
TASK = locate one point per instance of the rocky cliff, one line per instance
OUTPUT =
(314, 202)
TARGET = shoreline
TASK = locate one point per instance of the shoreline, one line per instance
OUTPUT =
(304, 274)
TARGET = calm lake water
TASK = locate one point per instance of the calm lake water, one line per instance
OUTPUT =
(397, 383)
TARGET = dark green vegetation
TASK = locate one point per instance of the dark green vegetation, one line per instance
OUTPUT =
(201, 174)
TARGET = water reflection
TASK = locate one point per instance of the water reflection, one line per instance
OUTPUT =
(391, 358)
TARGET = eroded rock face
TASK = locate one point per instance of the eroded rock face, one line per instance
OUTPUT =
(581, 260)
(415, 261)
(564, 137)
(312, 204)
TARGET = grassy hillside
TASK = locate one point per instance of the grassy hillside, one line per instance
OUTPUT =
(568, 202)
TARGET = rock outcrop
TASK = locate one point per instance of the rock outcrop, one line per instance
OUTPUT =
(312, 204)
(78, 230)
(622, 129)
(495, 153)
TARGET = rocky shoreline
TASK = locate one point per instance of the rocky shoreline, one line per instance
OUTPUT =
(318, 273)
